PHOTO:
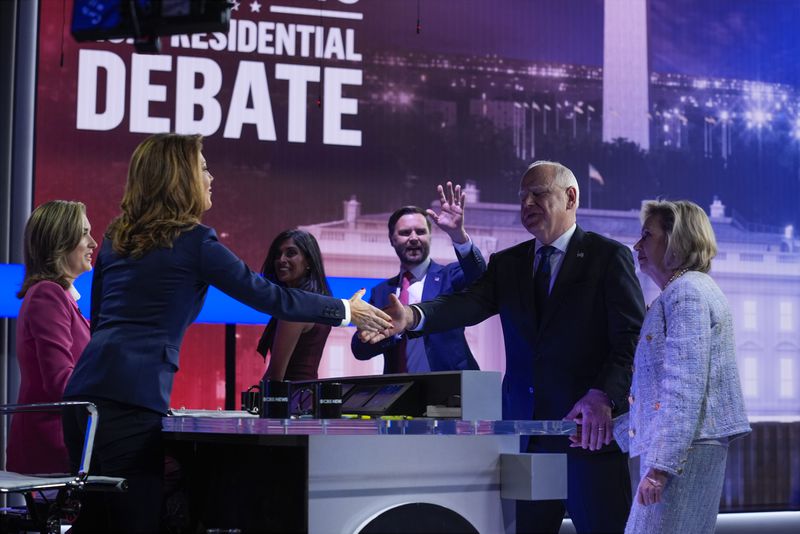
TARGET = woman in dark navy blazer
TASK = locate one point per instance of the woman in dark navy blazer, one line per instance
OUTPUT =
(150, 280)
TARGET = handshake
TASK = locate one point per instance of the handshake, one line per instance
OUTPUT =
(375, 325)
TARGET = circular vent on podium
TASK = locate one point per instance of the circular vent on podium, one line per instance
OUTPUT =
(418, 518)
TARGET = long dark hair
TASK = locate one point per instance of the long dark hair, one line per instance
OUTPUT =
(315, 280)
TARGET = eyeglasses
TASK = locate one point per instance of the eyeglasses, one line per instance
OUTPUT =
(525, 193)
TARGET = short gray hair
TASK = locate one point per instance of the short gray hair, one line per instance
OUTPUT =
(562, 176)
(691, 243)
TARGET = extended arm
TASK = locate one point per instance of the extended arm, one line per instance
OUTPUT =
(471, 267)
(469, 307)
(221, 268)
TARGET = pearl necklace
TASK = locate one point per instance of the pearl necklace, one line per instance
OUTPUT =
(675, 276)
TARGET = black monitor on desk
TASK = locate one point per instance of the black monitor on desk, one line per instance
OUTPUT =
(476, 394)
(471, 395)
(380, 399)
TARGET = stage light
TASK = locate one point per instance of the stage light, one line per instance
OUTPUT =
(146, 20)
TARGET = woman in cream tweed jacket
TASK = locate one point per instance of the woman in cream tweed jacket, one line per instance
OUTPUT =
(686, 400)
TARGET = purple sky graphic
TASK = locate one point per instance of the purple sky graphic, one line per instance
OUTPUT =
(746, 39)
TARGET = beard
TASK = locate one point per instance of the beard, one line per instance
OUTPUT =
(413, 255)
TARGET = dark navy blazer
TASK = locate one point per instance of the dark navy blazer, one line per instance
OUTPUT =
(446, 351)
(585, 338)
(142, 307)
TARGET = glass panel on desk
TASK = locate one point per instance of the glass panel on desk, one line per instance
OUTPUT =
(237, 422)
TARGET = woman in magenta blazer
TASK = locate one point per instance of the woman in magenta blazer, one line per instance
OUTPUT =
(51, 332)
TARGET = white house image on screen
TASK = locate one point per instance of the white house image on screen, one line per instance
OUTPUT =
(759, 272)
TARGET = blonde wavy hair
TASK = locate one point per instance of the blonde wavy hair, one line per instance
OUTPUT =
(163, 197)
(691, 243)
(53, 230)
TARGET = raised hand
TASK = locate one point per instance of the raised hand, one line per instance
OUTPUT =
(367, 317)
(451, 214)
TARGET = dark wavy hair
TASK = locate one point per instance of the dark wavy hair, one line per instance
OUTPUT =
(163, 195)
(406, 210)
(315, 280)
(53, 230)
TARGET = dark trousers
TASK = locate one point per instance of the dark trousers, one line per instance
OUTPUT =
(598, 495)
(127, 444)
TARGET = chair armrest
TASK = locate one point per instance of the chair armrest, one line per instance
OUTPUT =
(91, 425)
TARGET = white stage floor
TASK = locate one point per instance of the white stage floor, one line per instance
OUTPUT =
(772, 522)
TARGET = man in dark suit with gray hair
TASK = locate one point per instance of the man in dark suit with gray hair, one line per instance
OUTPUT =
(571, 309)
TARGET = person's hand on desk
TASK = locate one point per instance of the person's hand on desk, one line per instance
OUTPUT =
(367, 317)
(593, 413)
(402, 318)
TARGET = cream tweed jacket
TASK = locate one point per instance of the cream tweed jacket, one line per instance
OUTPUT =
(685, 382)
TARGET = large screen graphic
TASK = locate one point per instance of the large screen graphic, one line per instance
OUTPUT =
(329, 115)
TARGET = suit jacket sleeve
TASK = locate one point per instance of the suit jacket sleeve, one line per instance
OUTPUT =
(683, 385)
(624, 312)
(469, 269)
(223, 269)
(621, 427)
(49, 320)
(464, 308)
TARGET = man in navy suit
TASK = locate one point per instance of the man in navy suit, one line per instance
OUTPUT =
(571, 309)
(410, 235)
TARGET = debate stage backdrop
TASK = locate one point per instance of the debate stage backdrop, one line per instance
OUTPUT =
(331, 114)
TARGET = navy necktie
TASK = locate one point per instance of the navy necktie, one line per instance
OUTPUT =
(541, 280)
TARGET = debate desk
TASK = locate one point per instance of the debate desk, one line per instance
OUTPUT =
(365, 475)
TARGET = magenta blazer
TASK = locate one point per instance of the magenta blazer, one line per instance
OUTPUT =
(51, 335)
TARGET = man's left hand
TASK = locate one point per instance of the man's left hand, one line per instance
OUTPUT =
(451, 215)
(593, 413)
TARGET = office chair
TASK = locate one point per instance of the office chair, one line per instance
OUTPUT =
(46, 516)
